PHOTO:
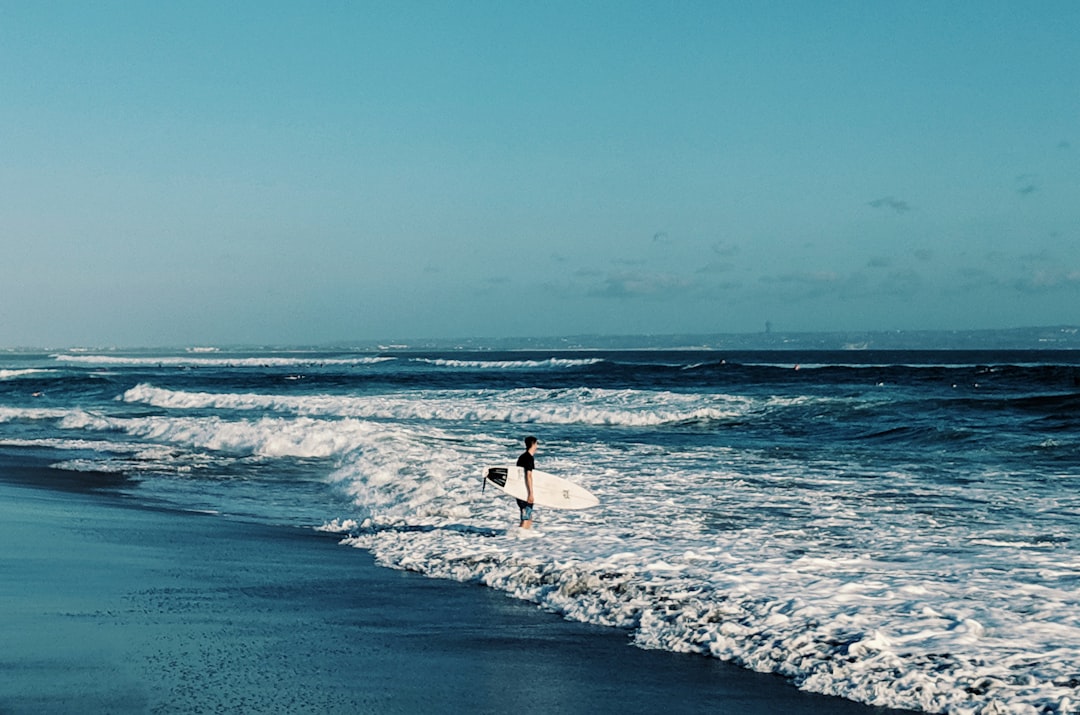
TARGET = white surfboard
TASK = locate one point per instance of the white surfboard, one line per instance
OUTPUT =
(548, 490)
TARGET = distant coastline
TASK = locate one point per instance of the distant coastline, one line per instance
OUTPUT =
(1061, 337)
(1043, 338)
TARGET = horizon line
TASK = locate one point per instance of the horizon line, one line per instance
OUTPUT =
(1072, 333)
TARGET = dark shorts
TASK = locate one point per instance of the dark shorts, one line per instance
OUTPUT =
(526, 510)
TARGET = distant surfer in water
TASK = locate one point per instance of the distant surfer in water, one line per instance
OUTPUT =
(528, 463)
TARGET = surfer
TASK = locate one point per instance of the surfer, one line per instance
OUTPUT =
(528, 463)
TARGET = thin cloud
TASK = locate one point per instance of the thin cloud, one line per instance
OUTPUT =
(972, 279)
(803, 278)
(1026, 184)
(805, 284)
(1044, 281)
(588, 273)
(1041, 256)
(725, 250)
(722, 289)
(716, 267)
(890, 202)
(853, 286)
(903, 284)
(636, 284)
(972, 273)
(1032, 281)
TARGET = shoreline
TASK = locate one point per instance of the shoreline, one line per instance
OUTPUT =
(115, 606)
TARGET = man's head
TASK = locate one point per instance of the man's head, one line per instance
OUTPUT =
(531, 443)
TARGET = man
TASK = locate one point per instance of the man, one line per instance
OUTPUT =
(528, 463)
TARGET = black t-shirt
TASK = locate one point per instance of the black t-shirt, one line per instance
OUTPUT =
(526, 460)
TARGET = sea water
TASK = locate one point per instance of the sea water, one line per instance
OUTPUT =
(900, 529)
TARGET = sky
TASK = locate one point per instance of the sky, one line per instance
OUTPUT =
(200, 173)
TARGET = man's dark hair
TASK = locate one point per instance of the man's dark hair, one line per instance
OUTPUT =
(530, 441)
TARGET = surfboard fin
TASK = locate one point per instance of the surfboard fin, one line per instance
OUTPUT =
(497, 475)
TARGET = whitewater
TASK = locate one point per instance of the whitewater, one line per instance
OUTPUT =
(900, 529)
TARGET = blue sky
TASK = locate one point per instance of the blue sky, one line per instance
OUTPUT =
(284, 173)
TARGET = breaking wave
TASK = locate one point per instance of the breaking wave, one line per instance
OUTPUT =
(188, 361)
(585, 406)
(510, 364)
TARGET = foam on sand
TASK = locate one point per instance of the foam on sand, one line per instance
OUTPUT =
(246, 618)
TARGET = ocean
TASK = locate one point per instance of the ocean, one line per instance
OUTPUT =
(897, 528)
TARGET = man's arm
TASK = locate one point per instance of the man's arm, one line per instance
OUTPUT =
(528, 485)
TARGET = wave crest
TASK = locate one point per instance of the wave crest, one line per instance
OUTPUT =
(188, 361)
(23, 372)
(510, 364)
(587, 406)
(264, 437)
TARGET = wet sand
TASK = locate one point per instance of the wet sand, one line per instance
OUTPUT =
(112, 606)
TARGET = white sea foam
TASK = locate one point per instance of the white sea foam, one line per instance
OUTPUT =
(510, 364)
(22, 372)
(11, 414)
(188, 361)
(90, 445)
(114, 456)
(636, 408)
(264, 437)
(898, 620)
(89, 465)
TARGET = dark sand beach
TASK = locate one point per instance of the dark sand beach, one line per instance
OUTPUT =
(112, 606)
